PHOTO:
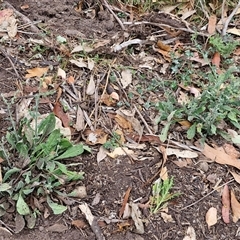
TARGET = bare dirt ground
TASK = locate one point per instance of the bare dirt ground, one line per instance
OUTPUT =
(110, 179)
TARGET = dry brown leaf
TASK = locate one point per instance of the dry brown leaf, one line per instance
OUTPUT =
(129, 116)
(212, 21)
(190, 234)
(102, 153)
(120, 151)
(108, 100)
(181, 163)
(24, 7)
(80, 122)
(163, 46)
(114, 95)
(236, 177)
(71, 80)
(211, 217)
(58, 111)
(5, 14)
(122, 138)
(235, 207)
(216, 61)
(220, 156)
(181, 153)
(80, 224)
(91, 64)
(57, 228)
(125, 200)
(167, 217)
(235, 31)
(123, 123)
(36, 72)
(185, 124)
(163, 173)
(61, 73)
(95, 137)
(126, 78)
(237, 52)
(225, 204)
(91, 86)
(183, 98)
(231, 150)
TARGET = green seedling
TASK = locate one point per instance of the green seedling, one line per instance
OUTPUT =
(161, 194)
(38, 148)
(224, 46)
(113, 143)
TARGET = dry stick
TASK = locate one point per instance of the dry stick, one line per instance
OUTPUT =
(199, 200)
(203, 9)
(222, 12)
(224, 31)
(145, 123)
(113, 13)
(166, 25)
(9, 59)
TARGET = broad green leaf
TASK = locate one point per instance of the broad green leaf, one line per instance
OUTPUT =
(47, 125)
(64, 144)
(164, 132)
(50, 166)
(72, 152)
(31, 220)
(191, 131)
(236, 139)
(52, 141)
(57, 209)
(27, 191)
(213, 129)
(4, 187)
(11, 139)
(22, 148)
(86, 148)
(22, 206)
(10, 172)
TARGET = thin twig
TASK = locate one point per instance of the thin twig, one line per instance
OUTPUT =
(199, 200)
(228, 20)
(166, 25)
(9, 59)
(113, 13)
(203, 9)
(222, 14)
(145, 123)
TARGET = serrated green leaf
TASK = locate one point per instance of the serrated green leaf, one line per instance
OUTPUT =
(72, 152)
(56, 208)
(22, 206)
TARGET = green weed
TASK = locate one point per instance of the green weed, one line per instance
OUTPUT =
(161, 194)
(224, 46)
(113, 142)
(33, 151)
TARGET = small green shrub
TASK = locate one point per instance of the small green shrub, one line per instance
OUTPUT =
(33, 166)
